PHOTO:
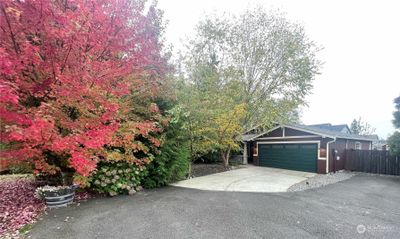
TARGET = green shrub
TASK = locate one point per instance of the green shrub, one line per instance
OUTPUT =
(169, 166)
(117, 178)
(20, 168)
(172, 163)
(394, 143)
(211, 157)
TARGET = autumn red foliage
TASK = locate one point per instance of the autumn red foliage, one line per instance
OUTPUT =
(66, 70)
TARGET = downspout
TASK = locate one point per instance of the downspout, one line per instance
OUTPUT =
(328, 153)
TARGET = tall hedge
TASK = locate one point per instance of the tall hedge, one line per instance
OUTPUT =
(172, 163)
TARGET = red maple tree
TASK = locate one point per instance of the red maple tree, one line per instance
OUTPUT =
(63, 76)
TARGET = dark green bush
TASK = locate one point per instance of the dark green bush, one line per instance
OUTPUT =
(169, 166)
(211, 157)
(172, 163)
(394, 144)
(117, 178)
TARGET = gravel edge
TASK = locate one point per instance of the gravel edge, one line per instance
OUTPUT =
(322, 180)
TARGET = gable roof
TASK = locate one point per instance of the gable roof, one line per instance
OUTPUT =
(248, 137)
(330, 127)
(310, 129)
(373, 137)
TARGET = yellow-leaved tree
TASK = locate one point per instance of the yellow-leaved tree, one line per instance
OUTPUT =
(228, 129)
(213, 112)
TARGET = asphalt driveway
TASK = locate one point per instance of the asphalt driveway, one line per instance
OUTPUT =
(361, 207)
(247, 179)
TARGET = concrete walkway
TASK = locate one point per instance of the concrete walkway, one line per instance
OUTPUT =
(247, 179)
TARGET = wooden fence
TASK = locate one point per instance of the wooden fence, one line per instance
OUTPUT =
(372, 161)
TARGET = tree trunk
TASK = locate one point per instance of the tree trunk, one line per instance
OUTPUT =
(225, 155)
(224, 161)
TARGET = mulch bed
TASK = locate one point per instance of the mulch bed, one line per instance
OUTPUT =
(206, 169)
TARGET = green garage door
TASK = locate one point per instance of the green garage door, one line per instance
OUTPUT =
(300, 157)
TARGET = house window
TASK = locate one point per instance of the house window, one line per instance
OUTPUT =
(322, 153)
(358, 146)
(255, 152)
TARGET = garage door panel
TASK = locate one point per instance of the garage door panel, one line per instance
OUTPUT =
(302, 157)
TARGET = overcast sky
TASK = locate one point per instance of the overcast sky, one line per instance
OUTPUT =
(361, 41)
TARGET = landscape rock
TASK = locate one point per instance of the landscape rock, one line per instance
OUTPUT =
(321, 180)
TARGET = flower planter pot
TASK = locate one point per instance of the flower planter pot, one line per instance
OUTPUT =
(57, 196)
(59, 201)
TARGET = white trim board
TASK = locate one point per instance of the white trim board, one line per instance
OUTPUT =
(315, 134)
(308, 131)
(292, 137)
(290, 142)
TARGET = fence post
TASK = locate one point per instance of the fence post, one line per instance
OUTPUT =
(398, 165)
(370, 159)
(386, 165)
(379, 164)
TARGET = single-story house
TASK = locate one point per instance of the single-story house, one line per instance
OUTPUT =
(311, 148)
(377, 143)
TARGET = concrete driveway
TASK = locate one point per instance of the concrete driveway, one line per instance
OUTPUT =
(247, 179)
(361, 207)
